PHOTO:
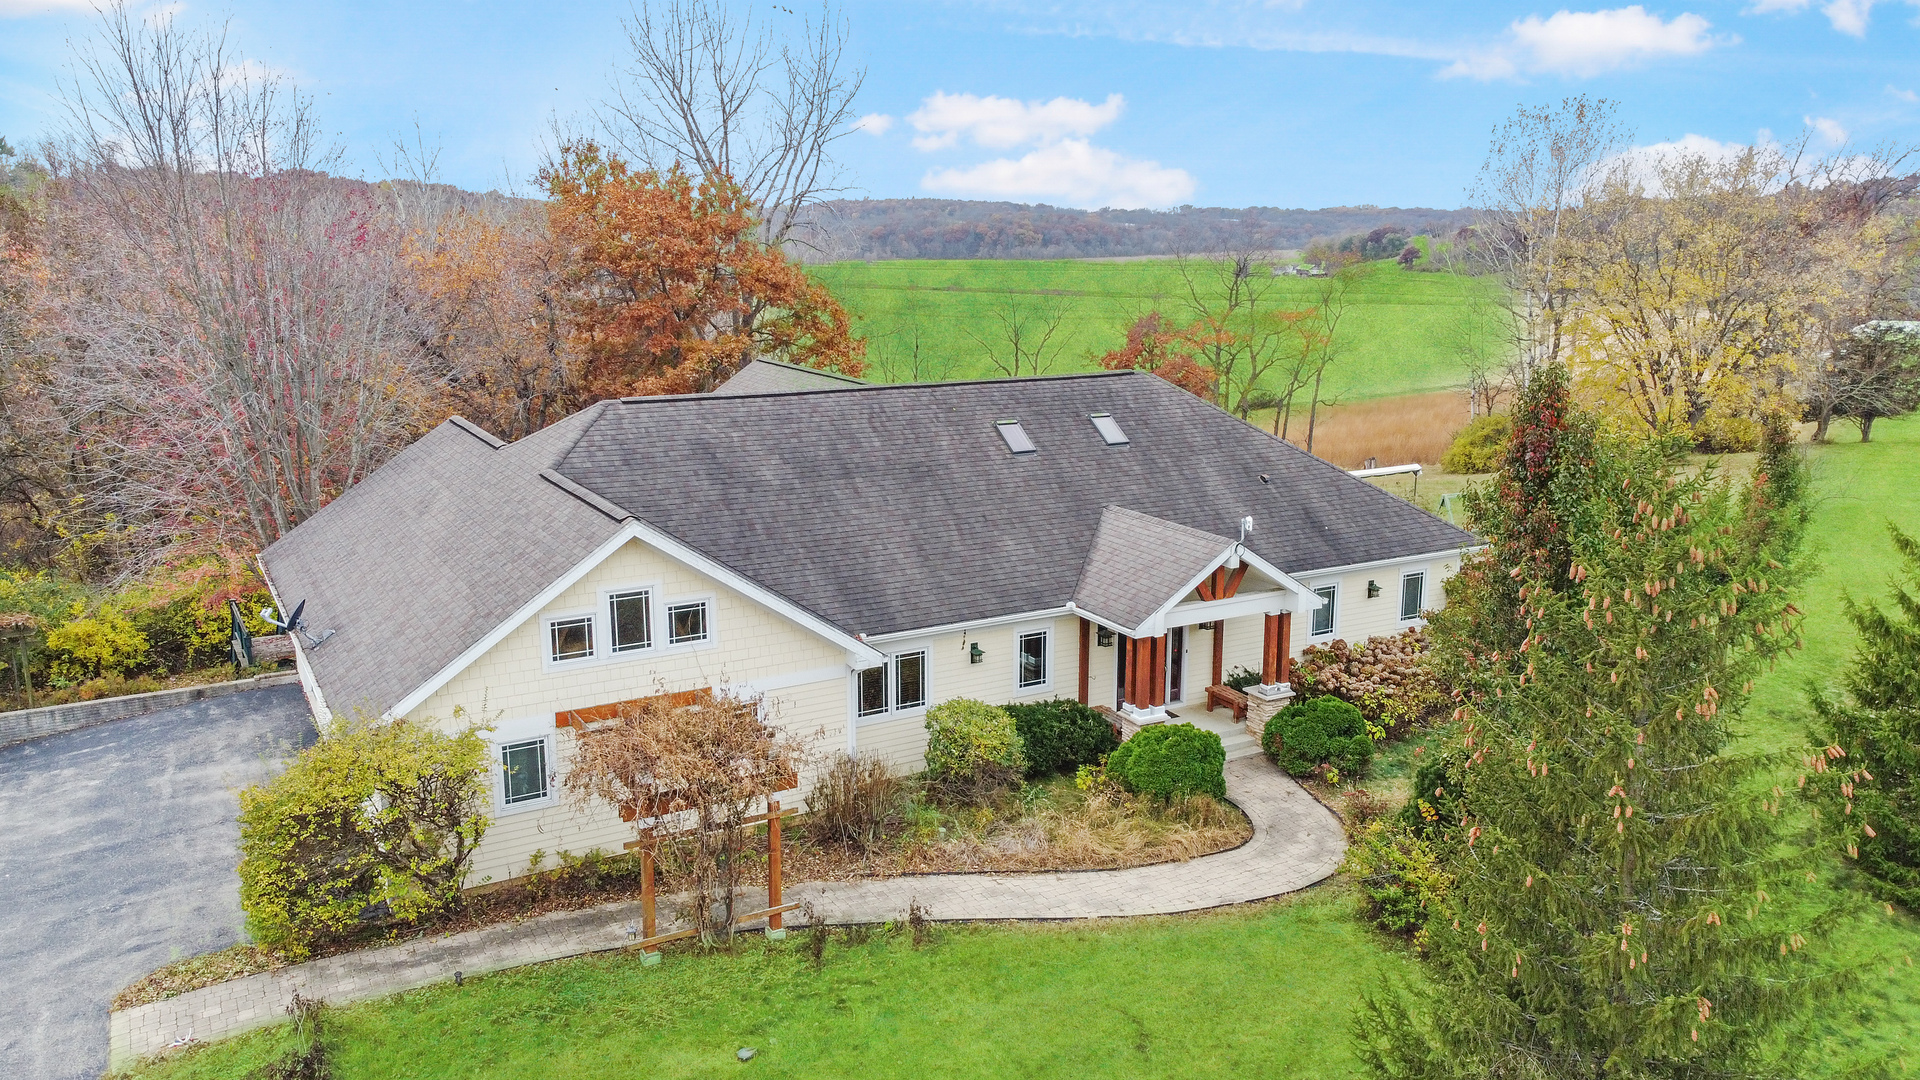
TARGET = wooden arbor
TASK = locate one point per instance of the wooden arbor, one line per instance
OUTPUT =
(650, 940)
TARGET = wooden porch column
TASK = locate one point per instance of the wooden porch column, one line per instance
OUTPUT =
(1086, 652)
(1219, 651)
(1157, 672)
(1276, 659)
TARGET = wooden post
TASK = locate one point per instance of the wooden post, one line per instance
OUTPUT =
(773, 863)
(1270, 652)
(1219, 651)
(1285, 646)
(1157, 672)
(646, 887)
(1086, 654)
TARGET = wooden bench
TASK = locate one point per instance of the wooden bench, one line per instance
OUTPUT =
(1221, 694)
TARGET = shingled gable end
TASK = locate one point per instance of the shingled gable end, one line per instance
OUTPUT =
(852, 553)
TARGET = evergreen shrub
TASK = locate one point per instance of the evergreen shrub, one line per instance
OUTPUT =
(1318, 731)
(1171, 761)
(971, 742)
(1061, 735)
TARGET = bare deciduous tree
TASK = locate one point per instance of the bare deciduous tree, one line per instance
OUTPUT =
(695, 771)
(1537, 166)
(1025, 336)
(235, 357)
(717, 95)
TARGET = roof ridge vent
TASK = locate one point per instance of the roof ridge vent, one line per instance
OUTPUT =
(1015, 436)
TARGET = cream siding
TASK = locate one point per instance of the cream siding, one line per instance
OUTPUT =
(515, 686)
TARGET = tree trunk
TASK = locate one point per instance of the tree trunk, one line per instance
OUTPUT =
(1313, 409)
(1866, 428)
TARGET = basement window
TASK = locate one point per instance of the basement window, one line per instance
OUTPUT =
(1015, 435)
(1109, 429)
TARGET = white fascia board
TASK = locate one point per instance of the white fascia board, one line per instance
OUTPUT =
(1076, 609)
(1260, 603)
(976, 624)
(309, 682)
(859, 654)
(1303, 597)
(1352, 568)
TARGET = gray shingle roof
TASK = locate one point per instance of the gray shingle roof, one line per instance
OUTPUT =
(878, 508)
(892, 508)
(775, 377)
(424, 557)
(1137, 561)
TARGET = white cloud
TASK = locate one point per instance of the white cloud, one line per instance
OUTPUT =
(1582, 43)
(1069, 171)
(20, 9)
(874, 124)
(1907, 96)
(1828, 129)
(1847, 16)
(1003, 123)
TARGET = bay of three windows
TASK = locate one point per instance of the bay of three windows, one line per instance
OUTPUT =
(628, 626)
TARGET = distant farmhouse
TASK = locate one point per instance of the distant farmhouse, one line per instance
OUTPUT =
(852, 554)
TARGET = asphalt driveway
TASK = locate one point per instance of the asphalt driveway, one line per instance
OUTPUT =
(117, 854)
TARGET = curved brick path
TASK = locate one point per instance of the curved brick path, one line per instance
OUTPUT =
(1296, 842)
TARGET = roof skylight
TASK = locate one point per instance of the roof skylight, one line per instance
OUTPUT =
(1015, 435)
(1109, 429)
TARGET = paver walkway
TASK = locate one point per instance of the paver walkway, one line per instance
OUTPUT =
(1296, 842)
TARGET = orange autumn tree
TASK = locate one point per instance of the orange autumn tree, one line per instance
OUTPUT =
(1154, 344)
(670, 291)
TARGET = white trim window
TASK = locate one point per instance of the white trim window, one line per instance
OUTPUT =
(630, 620)
(1032, 662)
(689, 622)
(526, 777)
(570, 638)
(1413, 588)
(1324, 617)
(897, 686)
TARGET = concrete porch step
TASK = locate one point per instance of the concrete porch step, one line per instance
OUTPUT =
(1233, 734)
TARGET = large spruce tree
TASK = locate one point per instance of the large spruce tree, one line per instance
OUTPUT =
(1870, 791)
(1625, 902)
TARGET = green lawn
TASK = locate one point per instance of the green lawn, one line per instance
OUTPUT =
(1398, 329)
(1266, 990)
(1259, 991)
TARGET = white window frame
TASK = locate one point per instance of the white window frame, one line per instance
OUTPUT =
(890, 687)
(654, 639)
(1046, 660)
(666, 623)
(594, 637)
(1416, 617)
(1333, 613)
(516, 733)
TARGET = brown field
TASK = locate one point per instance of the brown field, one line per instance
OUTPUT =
(1396, 430)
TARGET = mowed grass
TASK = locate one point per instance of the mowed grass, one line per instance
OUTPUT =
(1397, 334)
(1264, 990)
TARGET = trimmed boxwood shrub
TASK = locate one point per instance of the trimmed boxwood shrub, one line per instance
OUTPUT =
(1061, 735)
(1171, 761)
(1318, 731)
(968, 740)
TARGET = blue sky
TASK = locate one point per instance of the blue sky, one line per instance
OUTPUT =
(1075, 102)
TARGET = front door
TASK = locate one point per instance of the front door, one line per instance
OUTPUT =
(1176, 661)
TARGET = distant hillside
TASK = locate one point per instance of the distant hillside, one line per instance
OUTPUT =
(961, 229)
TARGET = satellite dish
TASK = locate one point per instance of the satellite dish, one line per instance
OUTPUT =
(296, 625)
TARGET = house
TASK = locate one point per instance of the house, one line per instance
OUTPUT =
(852, 554)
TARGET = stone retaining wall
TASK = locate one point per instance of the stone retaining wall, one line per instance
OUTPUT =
(53, 719)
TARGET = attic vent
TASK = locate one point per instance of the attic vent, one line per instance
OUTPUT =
(1015, 435)
(1109, 429)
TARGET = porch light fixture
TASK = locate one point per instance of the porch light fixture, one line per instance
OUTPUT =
(1373, 589)
(1103, 638)
(976, 654)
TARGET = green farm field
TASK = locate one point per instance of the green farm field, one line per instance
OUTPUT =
(1397, 331)
(1262, 990)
